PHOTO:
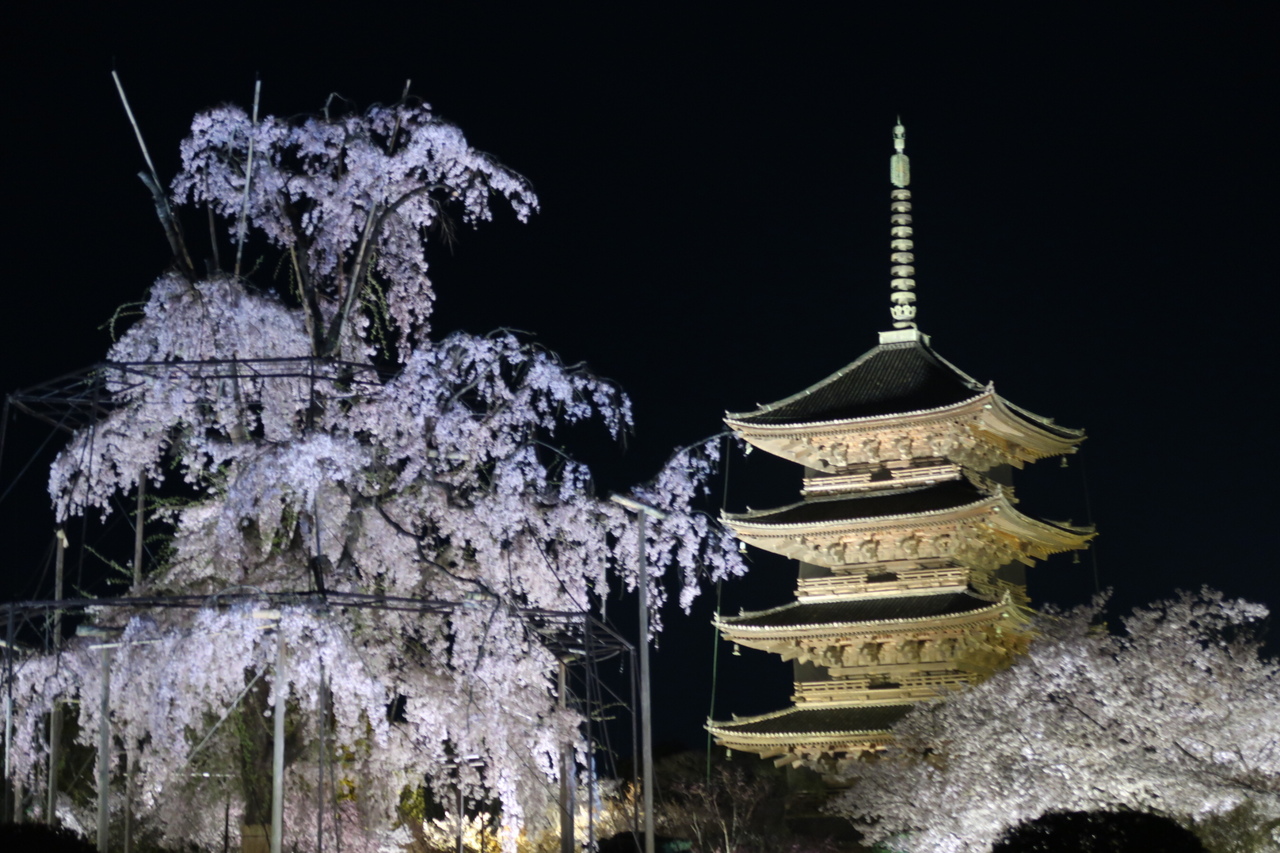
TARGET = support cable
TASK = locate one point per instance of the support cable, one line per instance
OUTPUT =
(34, 456)
(1088, 519)
(715, 632)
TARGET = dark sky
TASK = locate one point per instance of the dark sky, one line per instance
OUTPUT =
(1093, 198)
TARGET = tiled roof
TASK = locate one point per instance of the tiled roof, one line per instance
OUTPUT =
(889, 379)
(817, 721)
(887, 609)
(949, 494)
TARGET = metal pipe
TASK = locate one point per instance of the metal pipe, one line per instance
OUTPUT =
(55, 716)
(642, 512)
(277, 758)
(8, 715)
(566, 771)
(128, 800)
(137, 529)
(320, 758)
(646, 705)
(104, 748)
(55, 738)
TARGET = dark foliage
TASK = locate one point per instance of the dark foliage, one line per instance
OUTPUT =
(1098, 832)
(23, 837)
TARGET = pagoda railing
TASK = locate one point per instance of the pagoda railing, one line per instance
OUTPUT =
(835, 586)
(862, 689)
(862, 480)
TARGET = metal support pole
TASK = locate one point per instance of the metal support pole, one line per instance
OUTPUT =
(591, 687)
(8, 715)
(137, 529)
(13, 788)
(320, 759)
(55, 717)
(55, 739)
(104, 751)
(277, 758)
(633, 682)
(642, 512)
(128, 799)
(566, 771)
(646, 705)
(461, 847)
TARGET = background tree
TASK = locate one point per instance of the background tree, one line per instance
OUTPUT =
(1174, 718)
(732, 809)
(326, 444)
(729, 806)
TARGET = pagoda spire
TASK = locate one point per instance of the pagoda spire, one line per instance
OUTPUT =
(903, 309)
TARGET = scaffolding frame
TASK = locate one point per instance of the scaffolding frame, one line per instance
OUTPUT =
(83, 398)
(578, 640)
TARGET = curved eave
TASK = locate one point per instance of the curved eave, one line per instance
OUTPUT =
(731, 731)
(755, 522)
(739, 421)
(1039, 436)
(732, 627)
(1003, 515)
(1046, 536)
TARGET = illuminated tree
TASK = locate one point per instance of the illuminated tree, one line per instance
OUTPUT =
(329, 445)
(1176, 718)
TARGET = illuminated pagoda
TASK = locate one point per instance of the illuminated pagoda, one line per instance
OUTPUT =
(911, 547)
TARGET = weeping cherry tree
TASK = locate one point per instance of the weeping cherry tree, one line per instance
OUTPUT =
(339, 448)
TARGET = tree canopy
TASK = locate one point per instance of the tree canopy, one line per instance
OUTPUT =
(325, 443)
(1175, 717)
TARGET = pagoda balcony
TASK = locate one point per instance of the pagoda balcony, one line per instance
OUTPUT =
(864, 690)
(900, 475)
(888, 581)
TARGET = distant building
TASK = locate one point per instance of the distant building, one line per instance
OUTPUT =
(911, 548)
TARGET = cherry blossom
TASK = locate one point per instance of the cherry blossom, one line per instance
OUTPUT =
(1176, 717)
(300, 464)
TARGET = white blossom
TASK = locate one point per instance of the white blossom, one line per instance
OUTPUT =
(302, 463)
(1176, 717)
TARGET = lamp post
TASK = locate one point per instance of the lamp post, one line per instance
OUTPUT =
(643, 511)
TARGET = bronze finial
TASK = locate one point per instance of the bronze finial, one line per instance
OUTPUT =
(903, 309)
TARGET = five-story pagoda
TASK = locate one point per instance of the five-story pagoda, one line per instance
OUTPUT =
(910, 545)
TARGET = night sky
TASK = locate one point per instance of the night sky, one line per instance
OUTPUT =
(1093, 198)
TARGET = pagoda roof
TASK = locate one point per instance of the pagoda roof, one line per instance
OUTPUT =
(827, 721)
(949, 494)
(898, 608)
(897, 377)
(890, 379)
